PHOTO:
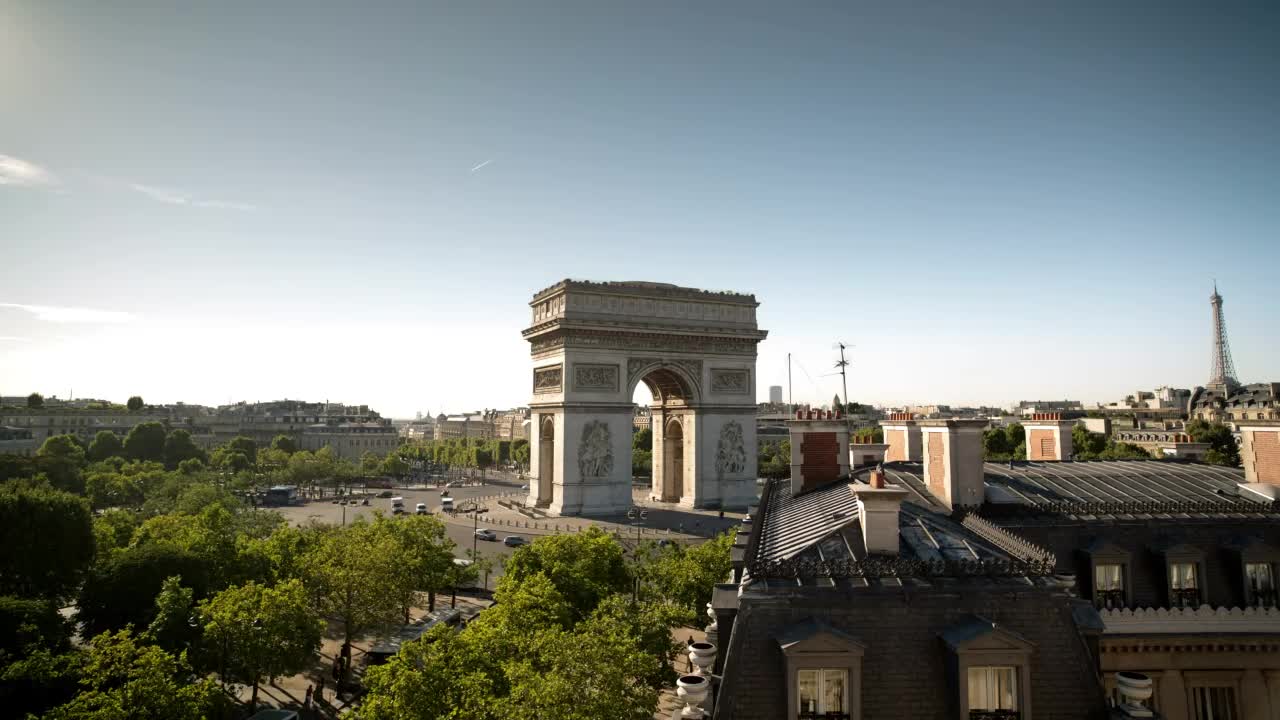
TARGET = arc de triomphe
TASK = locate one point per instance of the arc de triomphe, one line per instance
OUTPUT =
(695, 350)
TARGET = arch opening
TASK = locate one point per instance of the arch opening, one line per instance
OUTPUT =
(546, 460)
(672, 460)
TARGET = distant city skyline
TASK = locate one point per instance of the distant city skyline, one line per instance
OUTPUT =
(242, 201)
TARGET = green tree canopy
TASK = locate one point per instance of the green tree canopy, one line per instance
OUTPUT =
(353, 574)
(121, 678)
(285, 444)
(61, 458)
(262, 632)
(585, 567)
(1223, 449)
(105, 444)
(27, 622)
(122, 591)
(35, 400)
(242, 444)
(684, 576)
(145, 442)
(178, 447)
(134, 403)
(642, 440)
(64, 528)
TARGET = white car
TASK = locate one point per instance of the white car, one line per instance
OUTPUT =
(486, 534)
(421, 509)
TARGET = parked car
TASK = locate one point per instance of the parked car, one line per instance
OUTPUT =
(364, 501)
(514, 541)
(453, 484)
(524, 487)
(486, 534)
(421, 509)
(385, 494)
(397, 510)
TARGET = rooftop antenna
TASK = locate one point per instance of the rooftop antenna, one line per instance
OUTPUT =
(844, 383)
(790, 404)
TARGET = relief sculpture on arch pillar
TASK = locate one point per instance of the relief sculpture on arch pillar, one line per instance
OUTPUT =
(731, 453)
(595, 453)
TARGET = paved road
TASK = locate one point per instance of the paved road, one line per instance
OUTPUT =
(329, 512)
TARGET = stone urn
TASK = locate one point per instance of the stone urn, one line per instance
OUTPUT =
(1134, 687)
(703, 657)
(692, 690)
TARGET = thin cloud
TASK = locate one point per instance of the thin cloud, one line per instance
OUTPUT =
(20, 173)
(177, 197)
(486, 162)
(48, 313)
(13, 338)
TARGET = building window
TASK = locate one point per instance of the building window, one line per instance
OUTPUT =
(823, 693)
(1261, 584)
(1213, 703)
(1108, 586)
(1184, 589)
(993, 692)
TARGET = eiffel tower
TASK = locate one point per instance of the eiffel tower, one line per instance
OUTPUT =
(1223, 377)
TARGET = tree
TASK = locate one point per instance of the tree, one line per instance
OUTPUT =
(134, 404)
(35, 401)
(642, 440)
(122, 678)
(60, 458)
(285, 444)
(145, 442)
(26, 622)
(242, 444)
(236, 462)
(106, 444)
(520, 453)
(354, 576)
(995, 444)
(585, 567)
(123, 590)
(64, 528)
(369, 462)
(1223, 449)
(261, 632)
(171, 628)
(685, 576)
(1015, 435)
(424, 554)
(179, 447)
(641, 463)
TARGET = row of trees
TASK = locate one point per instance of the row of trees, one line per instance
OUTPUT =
(468, 452)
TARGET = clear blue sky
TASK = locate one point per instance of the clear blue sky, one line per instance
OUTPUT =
(993, 201)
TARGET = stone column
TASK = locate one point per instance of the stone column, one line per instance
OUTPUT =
(1254, 701)
(1273, 688)
(1173, 696)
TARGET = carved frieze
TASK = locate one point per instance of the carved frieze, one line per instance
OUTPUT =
(595, 453)
(731, 453)
(651, 342)
(592, 377)
(548, 379)
(730, 381)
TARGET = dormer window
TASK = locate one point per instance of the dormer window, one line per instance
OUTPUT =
(823, 667)
(993, 692)
(823, 693)
(1108, 586)
(1184, 586)
(1260, 584)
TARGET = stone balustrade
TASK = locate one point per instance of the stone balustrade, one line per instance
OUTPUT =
(1191, 620)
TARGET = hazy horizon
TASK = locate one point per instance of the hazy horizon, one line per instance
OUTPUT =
(246, 201)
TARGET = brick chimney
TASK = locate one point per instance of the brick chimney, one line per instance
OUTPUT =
(878, 506)
(819, 449)
(1260, 455)
(902, 435)
(1048, 437)
(953, 462)
(866, 453)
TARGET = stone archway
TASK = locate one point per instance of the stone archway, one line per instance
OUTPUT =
(668, 482)
(544, 483)
(592, 344)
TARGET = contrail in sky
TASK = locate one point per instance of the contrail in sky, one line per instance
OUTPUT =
(486, 162)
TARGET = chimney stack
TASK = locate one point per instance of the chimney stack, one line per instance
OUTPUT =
(819, 449)
(902, 435)
(1048, 437)
(1260, 455)
(878, 508)
(953, 461)
(866, 453)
